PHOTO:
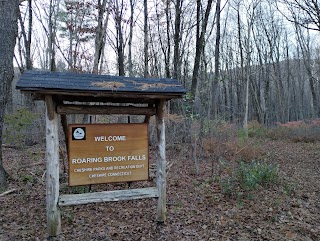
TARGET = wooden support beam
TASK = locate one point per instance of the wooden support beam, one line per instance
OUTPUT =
(147, 117)
(52, 166)
(108, 196)
(50, 105)
(64, 124)
(105, 110)
(161, 163)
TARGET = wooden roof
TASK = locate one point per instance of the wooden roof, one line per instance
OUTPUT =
(100, 87)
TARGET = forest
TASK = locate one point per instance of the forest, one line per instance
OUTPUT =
(254, 60)
(251, 71)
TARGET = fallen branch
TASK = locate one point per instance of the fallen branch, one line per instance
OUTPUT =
(8, 192)
(9, 146)
(243, 148)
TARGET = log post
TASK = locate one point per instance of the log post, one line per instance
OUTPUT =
(52, 166)
(161, 163)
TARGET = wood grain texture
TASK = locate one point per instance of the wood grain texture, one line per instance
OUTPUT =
(52, 166)
(50, 105)
(161, 163)
(108, 196)
(105, 110)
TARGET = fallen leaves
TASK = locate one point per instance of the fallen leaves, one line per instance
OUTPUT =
(196, 208)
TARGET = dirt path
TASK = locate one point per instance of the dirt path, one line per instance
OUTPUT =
(197, 210)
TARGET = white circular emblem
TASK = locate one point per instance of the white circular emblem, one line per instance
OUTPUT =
(78, 134)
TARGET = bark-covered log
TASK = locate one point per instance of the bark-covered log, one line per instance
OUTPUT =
(52, 166)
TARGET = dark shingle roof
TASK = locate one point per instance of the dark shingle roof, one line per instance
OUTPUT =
(46, 82)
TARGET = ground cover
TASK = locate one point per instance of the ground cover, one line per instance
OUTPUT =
(208, 206)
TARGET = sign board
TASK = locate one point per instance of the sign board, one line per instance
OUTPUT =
(104, 153)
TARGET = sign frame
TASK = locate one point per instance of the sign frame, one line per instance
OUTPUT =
(141, 130)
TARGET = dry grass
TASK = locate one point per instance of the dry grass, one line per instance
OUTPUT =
(297, 131)
(232, 150)
(175, 118)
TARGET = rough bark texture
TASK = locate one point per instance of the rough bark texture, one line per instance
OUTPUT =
(161, 164)
(217, 58)
(108, 196)
(146, 41)
(200, 42)
(130, 65)
(8, 33)
(52, 167)
(100, 34)
(177, 37)
(119, 41)
(51, 36)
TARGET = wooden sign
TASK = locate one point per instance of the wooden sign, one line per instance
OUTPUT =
(104, 153)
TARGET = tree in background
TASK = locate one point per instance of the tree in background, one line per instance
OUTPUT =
(306, 13)
(235, 69)
(26, 35)
(8, 32)
(201, 26)
(100, 38)
(77, 26)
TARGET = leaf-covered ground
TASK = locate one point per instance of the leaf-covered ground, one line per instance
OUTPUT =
(197, 208)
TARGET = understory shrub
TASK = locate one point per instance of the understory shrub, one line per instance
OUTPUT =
(248, 177)
(254, 174)
(297, 133)
(255, 129)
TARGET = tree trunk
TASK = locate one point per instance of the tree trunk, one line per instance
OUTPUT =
(130, 66)
(304, 44)
(168, 54)
(216, 58)
(120, 42)
(28, 43)
(240, 80)
(26, 38)
(100, 34)
(52, 37)
(8, 32)
(248, 72)
(176, 52)
(200, 41)
(146, 40)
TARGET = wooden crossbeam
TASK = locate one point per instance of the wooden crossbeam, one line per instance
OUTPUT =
(105, 110)
(108, 196)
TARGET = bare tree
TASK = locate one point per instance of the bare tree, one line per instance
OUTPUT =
(177, 39)
(216, 57)
(118, 12)
(26, 35)
(8, 32)
(52, 30)
(306, 13)
(100, 37)
(130, 64)
(201, 26)
(163, 19)
(304, 44)
(146, 40)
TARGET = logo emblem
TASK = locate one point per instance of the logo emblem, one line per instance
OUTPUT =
(78, 133)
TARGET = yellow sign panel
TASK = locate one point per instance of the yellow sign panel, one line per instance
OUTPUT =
(103, 153)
